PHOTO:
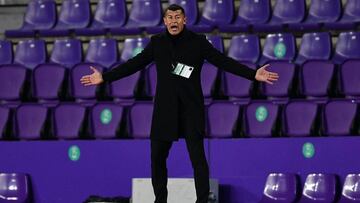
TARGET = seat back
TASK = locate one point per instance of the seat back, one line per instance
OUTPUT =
(145, 13)
(324, 11)
(222, 119)
(280, 187)
(351, 189)
(110, 13)
(40, 15)
(68, 120)
(338, 117)
(350, 78)
(30, 53)
(320, 187)
(74, 14)
(218, 12)
(105, 120)
(316, 78)
(48, 81)
(12, 79)
(314, 46)
(6, 53)
(289, 11)
(140, 120)
(245, 48)
(254, 12)
(30, 121)
(299, 117)
(103, 52)
(260, 118)
(67, 52)
(347, 47)
(15, 186)
(279, 47)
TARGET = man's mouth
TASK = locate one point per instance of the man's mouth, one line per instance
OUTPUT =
(174, 27)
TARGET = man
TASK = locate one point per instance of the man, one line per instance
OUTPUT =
(179, 104)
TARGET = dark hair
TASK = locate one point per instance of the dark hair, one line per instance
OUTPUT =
(174, 7)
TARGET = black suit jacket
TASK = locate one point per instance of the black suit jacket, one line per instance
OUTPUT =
(179, 102)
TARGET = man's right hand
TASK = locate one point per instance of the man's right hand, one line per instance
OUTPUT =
(94, 79)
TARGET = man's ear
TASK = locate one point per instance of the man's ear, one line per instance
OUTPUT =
(184, 20)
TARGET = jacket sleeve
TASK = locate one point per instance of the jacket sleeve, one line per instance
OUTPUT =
(131, 66)
(224, 62)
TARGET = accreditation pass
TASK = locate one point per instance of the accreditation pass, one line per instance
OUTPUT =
(183, 70)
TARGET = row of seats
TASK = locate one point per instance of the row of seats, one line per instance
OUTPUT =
(318, 187)
(111, 16)
(51, 83)
(246, 48)
(224, 120)
(279, 187)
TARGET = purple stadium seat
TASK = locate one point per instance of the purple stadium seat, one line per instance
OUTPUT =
(133, 46)
(315, 77)
(350, 78)
(48, 80)
(40, 15)
(103, 52)
(216, 41)
(319, 188)
(68, 120)
(279, 47)
(338, 117)
(251, 12)
(320, 12)
(67, 52)
(80, 92)
(215, 13)
(30, 121)
(108, 14)
(222, 119)
(237, 87)
(351, 190)
(208, 76)
(314, 46)
(12, 79)
(245, 48)
(191, 10)
(140, 116)
(280, 187)
(143, 14)
(123, 90)
(15, 187)
(260, 118)
(299, 117)
(105, 120)
(74, 14)
(347, 47)
(30, 53)
(4, 117)
(350, 18)
(6, 52)
(151, 80)
(285, 12)
(282, 88)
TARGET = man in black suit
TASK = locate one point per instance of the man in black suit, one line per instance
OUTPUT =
(179, 104)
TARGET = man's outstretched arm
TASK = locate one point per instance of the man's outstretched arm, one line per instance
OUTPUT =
(228, 64)
(131, 66)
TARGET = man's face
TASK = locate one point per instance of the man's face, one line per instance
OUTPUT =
(174, 21)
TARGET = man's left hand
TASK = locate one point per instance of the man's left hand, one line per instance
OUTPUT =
(263, 75)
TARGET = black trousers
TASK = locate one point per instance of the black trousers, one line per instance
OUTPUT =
(159, 154)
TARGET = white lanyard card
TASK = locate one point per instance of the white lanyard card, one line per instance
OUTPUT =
(183, 70)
